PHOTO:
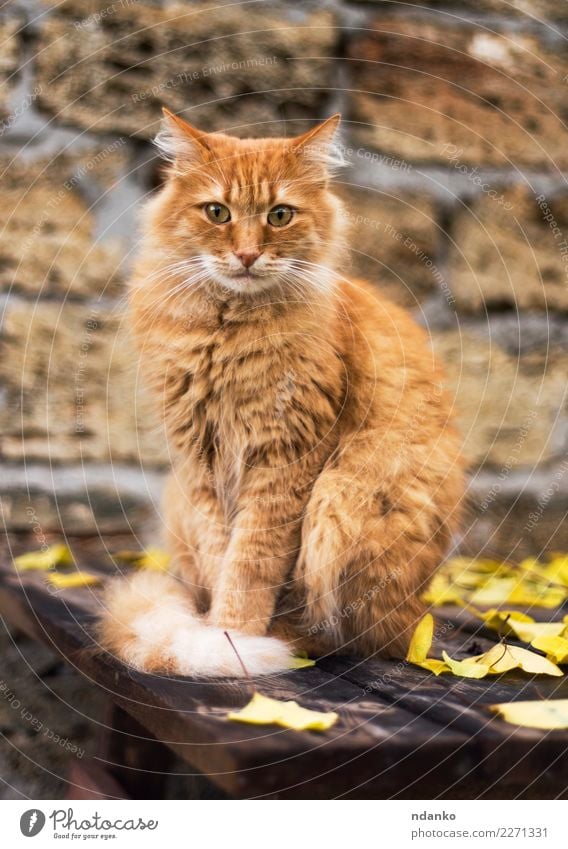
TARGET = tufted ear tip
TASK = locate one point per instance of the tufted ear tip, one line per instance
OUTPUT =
(178, 140)
(322, 133)
(320, 145)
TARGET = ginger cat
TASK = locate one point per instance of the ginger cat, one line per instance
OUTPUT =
(316, 476)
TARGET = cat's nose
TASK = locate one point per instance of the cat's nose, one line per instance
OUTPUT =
(248, 256)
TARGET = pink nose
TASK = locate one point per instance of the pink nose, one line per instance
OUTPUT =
(247, 257)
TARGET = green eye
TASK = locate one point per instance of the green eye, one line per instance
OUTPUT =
(217, 213)
(280, 216)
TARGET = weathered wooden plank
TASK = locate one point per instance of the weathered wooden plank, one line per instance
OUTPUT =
(400, 726)
(509, 753)
(378, 746)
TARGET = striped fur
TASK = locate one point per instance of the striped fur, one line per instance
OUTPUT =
(316, 475)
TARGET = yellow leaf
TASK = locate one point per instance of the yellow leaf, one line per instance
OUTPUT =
(468, 668)
(301, 662)
(495, 591)
(502, 658)
(502, 620)
(486, 565)
(152, 558)
(490, 583)
(441, 592)
(530, 564)
(540, 596)
(469, 581)
(420, 645)
(547, 714)
(72, 579)
(556, 647)
(528, 632)
(262, 710)
(433, 665)
(128, 556)
(45, 559)
(421, 641)
(470, 564)
(155, 559)
(557, 569)
(524, 627)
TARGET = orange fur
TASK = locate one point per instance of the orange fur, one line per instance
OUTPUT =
(316, 475)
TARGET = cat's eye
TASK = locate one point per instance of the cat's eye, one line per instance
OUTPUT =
(280, 216)
(218, 213)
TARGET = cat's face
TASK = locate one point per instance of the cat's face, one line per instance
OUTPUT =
(248, 214)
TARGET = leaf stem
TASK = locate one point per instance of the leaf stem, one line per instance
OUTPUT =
(239, 658)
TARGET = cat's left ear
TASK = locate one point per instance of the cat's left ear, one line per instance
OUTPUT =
(319, 145)
(179, 142)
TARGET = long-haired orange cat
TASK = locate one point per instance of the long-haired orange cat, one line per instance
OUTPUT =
(316, 475)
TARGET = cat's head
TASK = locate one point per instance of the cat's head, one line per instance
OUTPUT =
(249, 214)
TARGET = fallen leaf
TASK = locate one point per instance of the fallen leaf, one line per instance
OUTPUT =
(433, 665)
(468, 668)
(501, 620)
(128, 556)
(557, 568)
(548, 714)
(72, 579)
(529, 632)
(45, 559)
(518, 591)
(155, 559)
(529, 564)
(463, 580)
(471, 564)
(499, 658)
(420, 645)
(440, 592)
(507, 622)
(556, 647)
(525, 596)
(301, 662)
(261, 710)
(152, 558)
(502, 658)
(495, 591)
(421, 641)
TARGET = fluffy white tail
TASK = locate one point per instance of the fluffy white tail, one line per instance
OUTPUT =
(149, 622)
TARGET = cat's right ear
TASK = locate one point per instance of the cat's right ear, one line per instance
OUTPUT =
(179, 142)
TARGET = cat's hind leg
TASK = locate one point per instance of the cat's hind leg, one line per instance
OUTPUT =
(366, 556)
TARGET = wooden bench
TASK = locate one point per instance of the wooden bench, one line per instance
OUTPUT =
(402, 732)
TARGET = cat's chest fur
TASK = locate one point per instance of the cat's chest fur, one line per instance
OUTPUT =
(240, 394)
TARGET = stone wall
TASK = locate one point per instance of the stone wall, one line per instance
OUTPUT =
(457, 157)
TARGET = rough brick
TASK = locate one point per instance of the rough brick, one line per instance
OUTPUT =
(527, 10)
(70, 388)
(395, 242)
(519, 515)
(47, 226)
(515, 257)
(9, 60)
(426, 88)
(228, 66)
(511, 410)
